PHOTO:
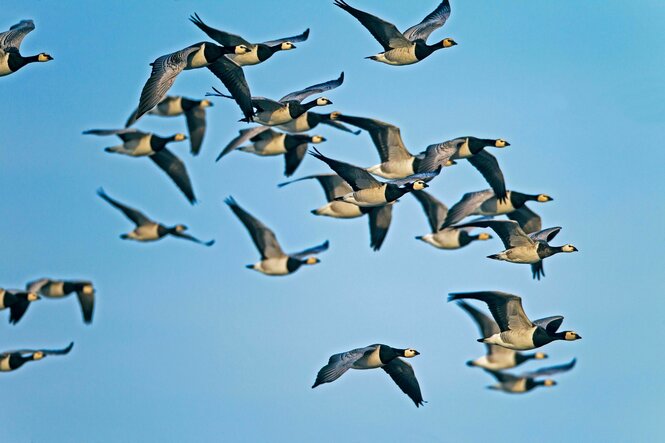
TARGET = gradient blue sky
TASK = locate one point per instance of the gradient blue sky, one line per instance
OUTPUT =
(187, 345)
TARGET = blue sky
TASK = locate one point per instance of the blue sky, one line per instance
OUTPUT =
(187, 345)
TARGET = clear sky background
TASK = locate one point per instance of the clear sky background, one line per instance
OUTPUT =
(188, 345)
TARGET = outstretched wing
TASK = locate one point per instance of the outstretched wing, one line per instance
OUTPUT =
(262, 236)
(338, 364)
(505, 308)
(403, 375)
(387, 138)
(357, 177)
(542, 372)
(314, 89)
(435, 211)
(379, 222)
(293, 39)
(196, 125)
(233, 77)
(469, 203)
(221, 37)
(545, 235)
(529, 221)
(487, 165)
(175, 168)
(333, 185)
(384, 32)
(437, 155)
(11, 40)
(510, 232)
(550, 324)
(293, 157)
(311, 251)
(134, 215)
(432, 22)
(245, 135)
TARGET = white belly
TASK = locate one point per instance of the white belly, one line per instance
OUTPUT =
(496, 362)
(197, 60)
(523, 254)
(4, 64)
(399, 56)
(393, 169)
(4, 364)
(53, 289)
(249, 58)
(274, 118)
(273, 266)
(137, 148)
(338, 209)
(370, 361)
(445, 239)
(367, 198)
(169, 108)
(298, 125)
(274, 146)
(145, 233)
(464, 151)
(520, 340)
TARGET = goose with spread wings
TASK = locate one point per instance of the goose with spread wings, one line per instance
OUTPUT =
(521, 247)
(17, 302)
(265, 142)
(274, 113)
(519, 384)
(12, 360)
(147, 230)
(334, 187)
(166, 68)
(11, 59)
(497, 357)
(259, 52)
(517, 332)
(396, 160)
(408, 47)
(446, 238)
(371, 357)
(273, 259)
(368, 191)
(52, 288)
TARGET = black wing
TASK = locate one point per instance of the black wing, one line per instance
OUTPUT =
(379, 222)
(435, 211)
(262, 236)
(487, 165)
(196, 125)
(293, 158)
(403, 375)
(221, 37)
(357, 177)
(192, 238)
(233, 78)
(384, 32)
(175, 169)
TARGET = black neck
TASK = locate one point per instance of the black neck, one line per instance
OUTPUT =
(388, 354)
(518, 199)
(16, 61)
(393, 192)
(292, 264)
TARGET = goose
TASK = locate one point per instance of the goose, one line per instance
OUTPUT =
(396, 161)
(289, 107)
(497, 357)
(12, 360)
(486, 202)
(530, 222)
(473, 150)
(194, 111)
(273, 260)
(408, 47)
(371, 357)
(265, 141)
(447, 238)
(166, 68)
(141, 144)
(517, 331)
(368, 191)
(259, 52)
(11, 59)
(146, 229)
(334, 186)
(17, 301)
(520, 247)
(310, 120)
(52, 288)
(519, 384)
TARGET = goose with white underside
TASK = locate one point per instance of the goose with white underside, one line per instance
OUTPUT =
(194, 111)
(273, 259)
(145, 144)
(166, 68)
(17, 302)
(487, 203)
(11, 59)
(334, 187)
(396, 161)
(51, 288)
(371, 357)
(530, 222)
(310, 120)
(447, 238)
(408, 47)
(517, 332)
(274, 113)
(497, 357)
(368, 191)
(12, 360)
(259, 52)
(265, 141)
(522, 248)
(147, 230)
(525, 382)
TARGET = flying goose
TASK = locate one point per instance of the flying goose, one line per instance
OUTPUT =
(519, 384)
(517, 331)
(530, 222)
(472, 149)
(11, 59)
(487, 203)
(408, 47)
(273, 260)
(497, 357)
(334, 186)
(51, 288)
(310, 120)
(375, 356)
(368, 191)
(194, 111)
(259, 52)
(265, 141)
(11, 360)
(447, 238)
(140, 144)
(520, 247)
(146, 229)
(289, 107)
(204, 54)
(17, 301)
(396, 161)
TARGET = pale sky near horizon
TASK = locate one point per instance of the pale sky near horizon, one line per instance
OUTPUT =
(188, 345)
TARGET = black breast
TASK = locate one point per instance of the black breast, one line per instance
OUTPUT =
(464, 238)
(296, 109)
(263, 52)
(544, 250)
(15, 61)
(16, 361)
(292, 264)
(162, 231)
(422, 50)
(393, 192)
(387, 354)
(540, 337)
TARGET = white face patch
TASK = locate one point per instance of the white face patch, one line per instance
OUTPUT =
(569, 248)
(318, 139)
(409, 353)
(242, 49)
(286, 46)
(322, 101)
(419, 185)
